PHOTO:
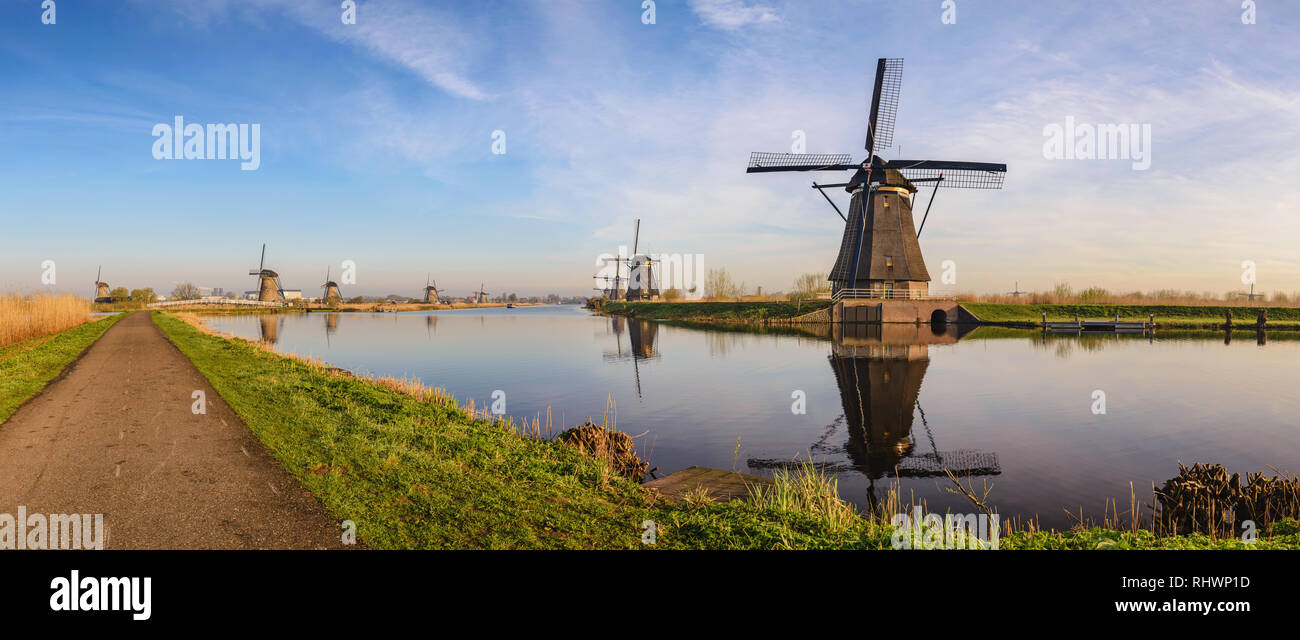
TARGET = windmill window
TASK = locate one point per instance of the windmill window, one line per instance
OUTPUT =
(889, 261)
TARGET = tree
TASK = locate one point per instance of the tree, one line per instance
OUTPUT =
(186, 291)
(142, 296)
(718, 285)
(808, 285)
(512, 298)
(119, 294)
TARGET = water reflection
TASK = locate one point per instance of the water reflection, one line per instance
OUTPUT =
(878, 370)
(641, 344)
(269, 326)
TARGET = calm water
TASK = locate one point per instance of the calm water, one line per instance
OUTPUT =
(1010, 408)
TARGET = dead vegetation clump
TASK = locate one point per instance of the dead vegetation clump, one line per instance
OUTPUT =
(614, 447)
(1206, 499)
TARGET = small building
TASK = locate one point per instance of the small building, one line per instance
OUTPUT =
(292, 294)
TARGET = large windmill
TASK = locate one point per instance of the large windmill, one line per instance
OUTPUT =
(330, 290)
(481, 295)
(268, 281)
(101, 287)
(879, 255)
(430, 291)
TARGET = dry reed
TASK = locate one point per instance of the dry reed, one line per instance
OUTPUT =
(23, 317)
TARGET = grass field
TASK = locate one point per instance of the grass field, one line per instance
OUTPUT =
(1190, 316)
(416, 471)
(26, 367)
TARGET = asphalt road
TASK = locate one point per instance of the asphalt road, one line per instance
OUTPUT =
(116, 435)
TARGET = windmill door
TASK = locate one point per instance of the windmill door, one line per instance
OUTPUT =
(889, 290)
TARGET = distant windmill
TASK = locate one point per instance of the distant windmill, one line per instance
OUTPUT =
(1251, 295)
(330, 290)
(612, 292)
(640, 278)
(481, 295)
(430, 291)
(640, 271)
(609, 291)
(268, 281)
(101, 287)
(1017, 293)
(879, 253)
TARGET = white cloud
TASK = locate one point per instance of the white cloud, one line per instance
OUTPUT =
(732, 14)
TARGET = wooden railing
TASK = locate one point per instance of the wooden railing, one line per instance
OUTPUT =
(890, 294)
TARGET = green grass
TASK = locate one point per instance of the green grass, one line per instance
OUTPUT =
(753, 312)
(1166, 315)
(415, 474)
(419, 474)
(26, 367)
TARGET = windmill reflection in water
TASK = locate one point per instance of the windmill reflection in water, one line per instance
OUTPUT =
(641, 336)
(879, 369)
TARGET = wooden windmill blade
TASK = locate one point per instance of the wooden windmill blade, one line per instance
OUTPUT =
(766, 162)
(952, 174)
(884, 104)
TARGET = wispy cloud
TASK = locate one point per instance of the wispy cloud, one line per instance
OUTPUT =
(425, 41)
(732, 14)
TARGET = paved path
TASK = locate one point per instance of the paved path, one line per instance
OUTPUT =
(116, 435)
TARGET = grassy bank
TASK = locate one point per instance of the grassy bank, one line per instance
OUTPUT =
(26, 367)
(1187, 316)
(741, 312)
(413, 470)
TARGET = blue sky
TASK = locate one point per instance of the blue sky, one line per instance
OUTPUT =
(376, 139)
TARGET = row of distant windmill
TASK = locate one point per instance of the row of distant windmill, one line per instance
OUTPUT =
(270, 290)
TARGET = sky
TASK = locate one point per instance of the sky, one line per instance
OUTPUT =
(376, 139)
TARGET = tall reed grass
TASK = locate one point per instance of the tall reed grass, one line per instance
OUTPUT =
(23, 317)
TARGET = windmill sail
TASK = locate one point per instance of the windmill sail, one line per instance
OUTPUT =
(763, 162)
(959, 175)
(884, 104)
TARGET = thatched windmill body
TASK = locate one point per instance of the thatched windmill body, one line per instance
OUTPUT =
(430, 291)
(879, 254)
(330, 289)
(268, 282)
(101, 287)
(481, 295)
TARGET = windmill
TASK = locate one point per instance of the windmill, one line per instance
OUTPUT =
(640, 271)
(640, 280)
(1251, 295)
(612, 291)
(879, 254)
(480, 295)
(268, 281)
(1017, 293)
(607, 290)
(430, 291)
(330, 290)
(101, 287)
